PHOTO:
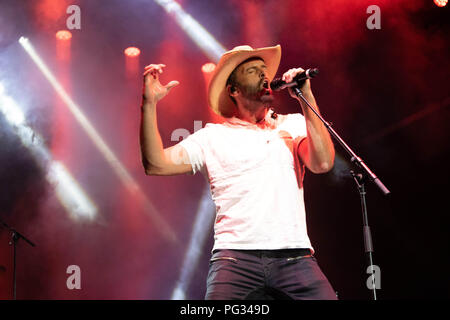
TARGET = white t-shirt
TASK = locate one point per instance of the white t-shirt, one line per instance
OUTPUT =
(255, 181)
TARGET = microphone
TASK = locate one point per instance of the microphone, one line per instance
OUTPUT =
(278, 84)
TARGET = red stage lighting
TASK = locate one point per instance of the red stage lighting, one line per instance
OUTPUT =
(208, 67)
(63, 35)
(132, 62)
(63, 42)
(440, 3)
(132, 52)
(207, 70)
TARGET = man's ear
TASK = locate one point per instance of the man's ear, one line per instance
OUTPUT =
(232, 90)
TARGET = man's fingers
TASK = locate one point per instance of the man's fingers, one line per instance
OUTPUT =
(152, 73)
(154, 70)
(171, 84)
(155, 66)
(289, 75)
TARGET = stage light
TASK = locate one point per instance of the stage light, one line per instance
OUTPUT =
(11, 111)
(63, 44)
(203, 223)
(207, 70)
(208, 67)
(210, 46)
(80, 117)
(213, 50)
(132, 63)
(441, 3)
(132, 52)
(69, 193)
(110, 157)
(63, 35)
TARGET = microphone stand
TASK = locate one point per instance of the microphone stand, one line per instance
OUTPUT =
(359, 179)
(15, 236)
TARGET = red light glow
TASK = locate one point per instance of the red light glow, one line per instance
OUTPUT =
(440, 3)
(63, 35)
(132, 52)
(208, 67)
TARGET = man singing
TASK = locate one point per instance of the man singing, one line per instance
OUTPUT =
(255, 162)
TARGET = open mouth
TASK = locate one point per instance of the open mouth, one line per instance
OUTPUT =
(265, 88)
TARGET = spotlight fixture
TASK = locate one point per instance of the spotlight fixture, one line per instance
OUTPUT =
(132, 52)
(440, 3)
(208, 67)
(63, 35)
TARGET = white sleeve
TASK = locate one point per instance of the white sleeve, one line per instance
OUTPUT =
(193, 145)
(296, 125)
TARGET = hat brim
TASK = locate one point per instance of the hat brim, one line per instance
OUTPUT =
(219, 99)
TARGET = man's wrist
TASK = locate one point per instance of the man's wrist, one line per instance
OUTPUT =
(147, 104)
(307, 95)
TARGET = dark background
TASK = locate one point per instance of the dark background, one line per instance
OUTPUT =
(385, 91)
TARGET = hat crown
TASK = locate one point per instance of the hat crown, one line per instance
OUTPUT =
(241, 48)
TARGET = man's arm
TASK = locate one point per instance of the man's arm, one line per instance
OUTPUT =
(317, 150)
(155, 159)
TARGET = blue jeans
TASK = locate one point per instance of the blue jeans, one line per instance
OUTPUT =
(266, 274)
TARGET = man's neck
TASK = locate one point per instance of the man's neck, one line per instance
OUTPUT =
(252, 117)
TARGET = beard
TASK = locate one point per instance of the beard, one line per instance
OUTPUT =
(258, 93)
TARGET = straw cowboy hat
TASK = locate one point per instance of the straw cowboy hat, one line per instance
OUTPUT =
(219, 99)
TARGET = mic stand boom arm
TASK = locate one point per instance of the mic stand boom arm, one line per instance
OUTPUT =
(359, 179)
(354, 158)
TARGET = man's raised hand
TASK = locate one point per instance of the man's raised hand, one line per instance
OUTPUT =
(153, 90)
